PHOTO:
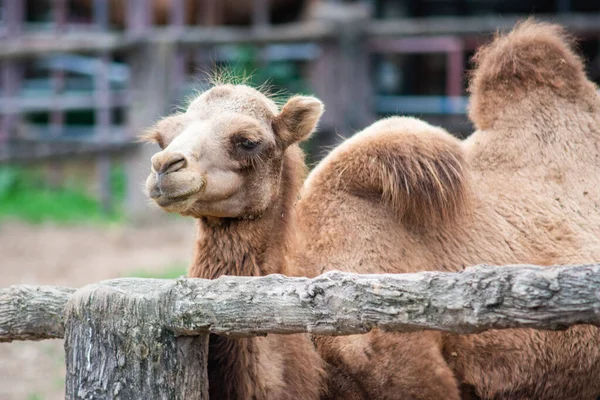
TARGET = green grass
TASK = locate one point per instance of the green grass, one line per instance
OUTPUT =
(170, 272)
(25, 196)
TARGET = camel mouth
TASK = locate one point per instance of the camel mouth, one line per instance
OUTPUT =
(168, 201)
(165, 199)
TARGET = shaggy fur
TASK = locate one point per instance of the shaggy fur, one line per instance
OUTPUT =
(243, 199)
(274, 367)
(417, 170)
(534, 56)
(403, 196)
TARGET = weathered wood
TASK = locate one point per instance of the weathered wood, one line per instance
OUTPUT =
(336, 303)
(32, 151)
(356, 77)
(340, 75)
(30, 312)
(39, 44)
(61, 102)
(474, 300)
(117, 346)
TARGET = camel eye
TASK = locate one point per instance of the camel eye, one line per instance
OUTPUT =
(248, 144)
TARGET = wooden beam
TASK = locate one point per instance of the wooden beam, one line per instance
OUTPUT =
(475, 300)
(475, 25)
(151, 85)
(30, 312)
(62, 102)
(39, 43)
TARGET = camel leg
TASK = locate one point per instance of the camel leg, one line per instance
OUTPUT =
(384, 365)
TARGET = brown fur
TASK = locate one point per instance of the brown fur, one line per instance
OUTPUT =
(420, 172)
(403, 196)
(534, 56)
(243, 200)
(525, 189)
(275, 367)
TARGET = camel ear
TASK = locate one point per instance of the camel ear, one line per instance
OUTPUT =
(164, 131)
(298, 119)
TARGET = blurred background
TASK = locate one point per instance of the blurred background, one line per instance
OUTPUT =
(80, 78)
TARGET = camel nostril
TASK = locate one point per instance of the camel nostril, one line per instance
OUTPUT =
(173, 165)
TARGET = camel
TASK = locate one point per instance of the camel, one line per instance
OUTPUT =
(400, 196)
(232, 161)
(404, 196)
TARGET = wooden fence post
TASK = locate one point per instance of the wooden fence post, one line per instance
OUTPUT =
(340, 77)
(151, 88)
(117, 347)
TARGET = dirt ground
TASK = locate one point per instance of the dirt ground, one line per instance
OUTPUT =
(75, 256)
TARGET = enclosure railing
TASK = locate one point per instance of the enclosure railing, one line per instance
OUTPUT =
(147, 338)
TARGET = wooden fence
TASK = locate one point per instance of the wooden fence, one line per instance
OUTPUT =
(151, 74)
(147, 338)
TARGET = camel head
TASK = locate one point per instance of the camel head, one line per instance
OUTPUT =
(223, 156)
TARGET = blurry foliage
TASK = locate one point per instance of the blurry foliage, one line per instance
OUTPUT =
(25, 195)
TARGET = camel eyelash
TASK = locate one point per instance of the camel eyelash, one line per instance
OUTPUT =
(246, 142)
(249, 150)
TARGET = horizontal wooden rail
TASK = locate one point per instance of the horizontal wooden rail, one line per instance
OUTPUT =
(475, 25)
(63, 102)
(336, 303)
(32, 44)
(30, 312)
(40, 43)
(36, 149)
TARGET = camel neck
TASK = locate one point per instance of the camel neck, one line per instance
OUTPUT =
(245, 247)
(240, 247)
(251, 247)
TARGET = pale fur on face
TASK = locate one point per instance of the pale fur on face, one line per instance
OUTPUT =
(223, 156)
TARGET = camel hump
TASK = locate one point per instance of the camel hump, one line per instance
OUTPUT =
(534, 55)
(416, 169)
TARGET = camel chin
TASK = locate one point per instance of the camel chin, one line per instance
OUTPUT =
(174, 192)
